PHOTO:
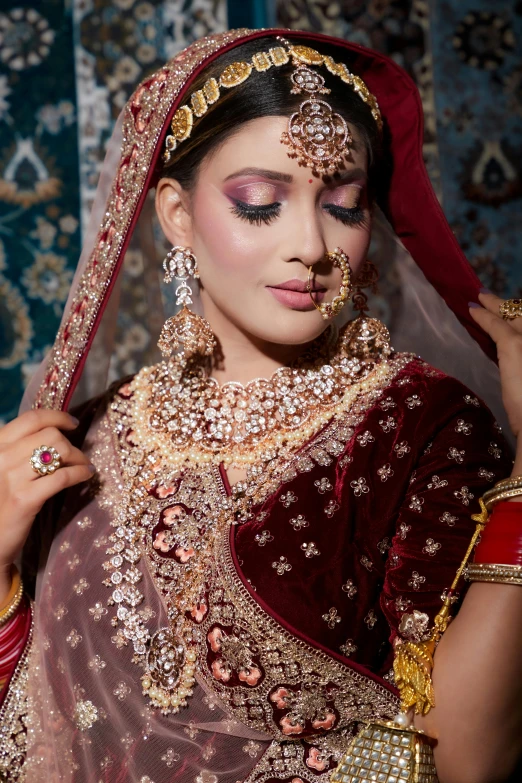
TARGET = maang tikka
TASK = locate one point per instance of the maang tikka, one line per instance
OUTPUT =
(186, 330)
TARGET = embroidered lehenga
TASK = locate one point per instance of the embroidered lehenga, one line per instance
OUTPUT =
(185, 629)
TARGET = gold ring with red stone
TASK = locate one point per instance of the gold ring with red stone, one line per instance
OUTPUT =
(45, 460)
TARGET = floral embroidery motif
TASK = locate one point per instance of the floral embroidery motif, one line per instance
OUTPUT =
(370, 619)
(464, 495)
(281, 565)
(471, 400)
(331, 618)
(415, 626)
(81, 586)
(192, 730)
(60, 611)
(73, 638)
(403, 530)
(384, 545)
(96, 664)
(457, 455)
(331, 508)
(401, 604)
(448, 518)
(431, 547)
(84, 523)
(64, 547)
(359, 487)
(121, 691)
(287, 499)
(251, 748)
(299, 522)
(207, 752)
(401, 449)
(388, 424)
(323, 485)
(463, 427)
(344, 461)
(404, 381)
(416, 504)
(387, 403)
(170, 757)
(413, 477)
(263, 538)
(348, 648)
(308, 704)
(74, 562)
(349, 588)
(413, 402)
(437, 483)
(85, 715)
(365, 438)
(486, 474)
(385, 472)
(494, 450)
(416, 580)
(366, 562)
(310, 549)
(261, 516)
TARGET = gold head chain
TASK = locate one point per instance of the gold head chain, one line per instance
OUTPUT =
(317, 136)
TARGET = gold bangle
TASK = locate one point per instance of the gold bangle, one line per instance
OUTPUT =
(14, 598)
(491, 498)
(508, 483)
(494, 572)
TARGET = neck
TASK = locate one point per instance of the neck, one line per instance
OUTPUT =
(241, 357)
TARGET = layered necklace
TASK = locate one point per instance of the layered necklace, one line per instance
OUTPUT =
(185, 417)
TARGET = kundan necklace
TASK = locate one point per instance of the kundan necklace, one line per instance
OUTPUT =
(185, 416)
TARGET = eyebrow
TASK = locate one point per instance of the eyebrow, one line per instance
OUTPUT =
(276, 175)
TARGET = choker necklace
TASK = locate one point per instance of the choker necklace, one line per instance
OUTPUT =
(184, 416)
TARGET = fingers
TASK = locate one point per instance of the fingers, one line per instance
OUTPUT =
(47, 486)
(498, 329)
(492, 303)
(35, 420)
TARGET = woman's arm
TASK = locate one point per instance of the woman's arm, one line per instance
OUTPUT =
(477, 674)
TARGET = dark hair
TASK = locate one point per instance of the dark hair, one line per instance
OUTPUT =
(262, 95)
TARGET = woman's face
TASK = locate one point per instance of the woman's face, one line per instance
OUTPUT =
(257, 221)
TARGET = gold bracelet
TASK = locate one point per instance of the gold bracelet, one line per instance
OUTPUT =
(494, 572)
(14, 598)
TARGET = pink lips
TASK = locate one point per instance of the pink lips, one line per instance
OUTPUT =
(294, 294)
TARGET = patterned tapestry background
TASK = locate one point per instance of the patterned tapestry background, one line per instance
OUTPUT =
(68, 66)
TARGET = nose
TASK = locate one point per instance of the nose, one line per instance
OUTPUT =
(308, 245)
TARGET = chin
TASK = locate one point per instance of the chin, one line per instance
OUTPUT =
(292, 328)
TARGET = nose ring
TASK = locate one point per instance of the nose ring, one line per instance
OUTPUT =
(330, 309)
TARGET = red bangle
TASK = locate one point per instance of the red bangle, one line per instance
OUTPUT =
(501, 541)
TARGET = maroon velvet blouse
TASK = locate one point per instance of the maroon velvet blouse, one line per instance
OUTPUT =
(342, 552)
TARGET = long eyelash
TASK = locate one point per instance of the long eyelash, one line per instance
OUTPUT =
(350, 217)
(257, 215)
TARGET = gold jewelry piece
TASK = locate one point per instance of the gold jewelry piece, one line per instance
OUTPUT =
(503, 490)
(45, 460)
(494, 572)
(237, 424)
(317, 136)
(14, 598)
(186, 330)
(334, 145)
(511, 309)
(331, 309)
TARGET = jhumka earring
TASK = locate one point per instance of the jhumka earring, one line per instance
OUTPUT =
(366, 337)
(331, 309)
(186, 330)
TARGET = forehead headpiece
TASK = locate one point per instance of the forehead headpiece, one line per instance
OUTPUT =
(317, 136)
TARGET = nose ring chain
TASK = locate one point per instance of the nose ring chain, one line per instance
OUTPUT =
(330, 309)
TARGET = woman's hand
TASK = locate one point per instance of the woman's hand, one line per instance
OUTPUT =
(22, 491)
(508, 338)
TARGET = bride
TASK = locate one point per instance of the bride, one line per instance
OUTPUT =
(239, 564)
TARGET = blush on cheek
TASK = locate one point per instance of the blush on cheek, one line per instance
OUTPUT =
(227, 242)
